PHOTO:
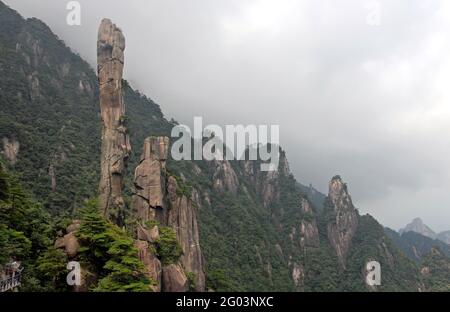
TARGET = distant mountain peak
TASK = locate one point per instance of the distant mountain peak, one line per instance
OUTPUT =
(418, 226)
(444, 236)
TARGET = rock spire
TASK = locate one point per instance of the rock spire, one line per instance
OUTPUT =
(115, 140)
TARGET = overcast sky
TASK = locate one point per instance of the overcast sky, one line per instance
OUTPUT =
(355, 93)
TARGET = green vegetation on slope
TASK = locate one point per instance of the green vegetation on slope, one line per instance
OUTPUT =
(26, 232)
(168, 249)
(370, 243)
(49, 106)
(435, 271)
(109, 252)
(414, 245)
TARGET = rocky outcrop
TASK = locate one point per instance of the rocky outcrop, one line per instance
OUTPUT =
(267, 183)
(150, 235)
(225, 179)
(69, 242)
(115, 140)
(149, 180)
(10, 149)
(174, 279)
(182, 217)
(309, 233)
(284, 167)
(33, 80)
(151, 263)
(148, 202)
(298, 275)
(343, 218)
(159, 200)
(52, 175)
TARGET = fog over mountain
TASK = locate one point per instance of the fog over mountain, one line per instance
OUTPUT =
(368, 102)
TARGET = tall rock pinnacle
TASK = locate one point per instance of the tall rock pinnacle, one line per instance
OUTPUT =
(343, 218)
(115, 140)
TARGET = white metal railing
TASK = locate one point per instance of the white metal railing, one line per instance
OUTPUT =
(11, 281)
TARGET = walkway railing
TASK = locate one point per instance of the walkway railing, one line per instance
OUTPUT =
(12, 281)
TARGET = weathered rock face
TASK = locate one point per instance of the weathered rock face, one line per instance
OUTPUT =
(174, 279)
(342, 227)
(284, 167)
(148, 202)
(149, 180)
(306, 233)
(157, 198)
(182, 217)
(152, 265)
(418, 226)
(298, 275)
(149, 235)
(225, 179)
(52, 175)
(70, 245)
(74, 226)
(11, 150)
(34, 82)
(115, 140)
(69, 242)
(267, 183)
(270, 192)
(309, 233)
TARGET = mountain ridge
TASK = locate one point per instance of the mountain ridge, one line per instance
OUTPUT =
(259, 231)
(418, 226)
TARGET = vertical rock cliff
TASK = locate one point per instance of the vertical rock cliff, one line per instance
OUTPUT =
(159, 202)
(10, 150)
(342, 218)
(149, 180)
(115, 140)
(309, 233)
(182, 217)
(225, 178)
(148, 198)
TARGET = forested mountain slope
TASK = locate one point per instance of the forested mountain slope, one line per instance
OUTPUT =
(259, 231)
